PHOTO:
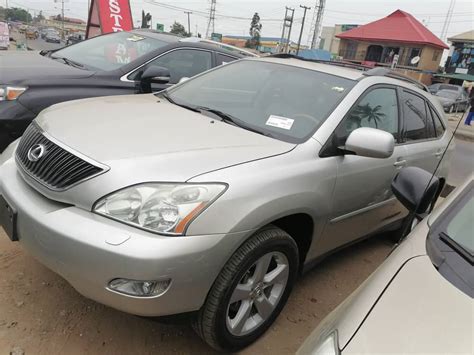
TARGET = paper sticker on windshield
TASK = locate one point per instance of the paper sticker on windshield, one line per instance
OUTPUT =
(280, 122)
(135, 38)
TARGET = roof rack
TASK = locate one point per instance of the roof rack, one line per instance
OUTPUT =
(329, 62)
(389, 73)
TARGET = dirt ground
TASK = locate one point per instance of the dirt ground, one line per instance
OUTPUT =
(41, 314)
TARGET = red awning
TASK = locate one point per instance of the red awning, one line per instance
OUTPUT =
(399, 26)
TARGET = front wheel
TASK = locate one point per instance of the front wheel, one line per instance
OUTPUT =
(250, 291)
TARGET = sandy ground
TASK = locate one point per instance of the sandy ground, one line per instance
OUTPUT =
(41, 314)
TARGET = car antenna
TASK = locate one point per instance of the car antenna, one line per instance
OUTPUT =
(413, 214)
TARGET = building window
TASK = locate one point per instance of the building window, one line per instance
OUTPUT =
(412, 53)
(350, 51)
(436, 56)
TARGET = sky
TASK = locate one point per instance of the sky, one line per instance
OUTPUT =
(233, 16)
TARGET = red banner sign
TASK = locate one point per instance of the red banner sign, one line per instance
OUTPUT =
(107, 16)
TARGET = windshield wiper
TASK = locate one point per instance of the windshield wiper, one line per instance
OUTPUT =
(70, 62)
(188, 107)
(458, 248)
(225, 117)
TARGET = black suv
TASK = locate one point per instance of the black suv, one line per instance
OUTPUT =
(114, 64)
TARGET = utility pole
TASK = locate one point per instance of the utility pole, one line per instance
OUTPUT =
(447, 21)
(189, 21)
(287, 24)
(212, 19)
(316, 23)
(306, 8)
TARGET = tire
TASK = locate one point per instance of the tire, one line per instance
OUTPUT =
(215, 324)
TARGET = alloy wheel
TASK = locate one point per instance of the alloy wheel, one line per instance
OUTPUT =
(257, 294)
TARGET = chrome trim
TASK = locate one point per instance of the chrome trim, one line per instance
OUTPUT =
(24, 172)
(124, 78)
(362, 210)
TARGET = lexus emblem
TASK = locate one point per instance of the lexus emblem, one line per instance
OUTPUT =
(36, 152)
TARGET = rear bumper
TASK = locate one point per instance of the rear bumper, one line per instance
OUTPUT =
(89, 251)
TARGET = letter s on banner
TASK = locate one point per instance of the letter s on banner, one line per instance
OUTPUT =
(115, 15)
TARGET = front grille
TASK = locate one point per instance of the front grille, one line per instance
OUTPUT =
(56, 168)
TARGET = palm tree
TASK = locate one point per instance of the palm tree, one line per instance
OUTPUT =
(370, 113)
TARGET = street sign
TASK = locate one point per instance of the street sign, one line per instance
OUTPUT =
(107, 16)
(160, 27)
(217, 37)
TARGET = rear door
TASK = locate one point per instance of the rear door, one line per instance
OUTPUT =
(423, 148)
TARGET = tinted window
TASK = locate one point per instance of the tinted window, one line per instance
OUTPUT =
(439, 128)
(430, 124)
(377, 109)
(414, 110)
(288, 102)
(182, 63)
(224, 59)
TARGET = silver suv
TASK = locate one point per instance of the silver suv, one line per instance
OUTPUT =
(213, 196)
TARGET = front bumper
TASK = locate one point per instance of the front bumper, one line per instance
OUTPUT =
(89, 251)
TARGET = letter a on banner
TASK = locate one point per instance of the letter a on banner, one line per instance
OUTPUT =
(107, 16)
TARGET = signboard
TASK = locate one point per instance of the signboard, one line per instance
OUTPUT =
(160, 27)
(4, 35)
(217, 37)
(347, 27)
(107, 16)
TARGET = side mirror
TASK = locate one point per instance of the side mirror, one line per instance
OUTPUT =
(416, 189)
(154, 74)
(370, 142)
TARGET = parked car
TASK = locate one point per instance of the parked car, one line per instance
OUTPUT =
(52, 37)
(440, 86)
(453, 101)
(420, 299)
(75, 38)
(212, 196)
(113, 64)
(32, 33)
(45, 31)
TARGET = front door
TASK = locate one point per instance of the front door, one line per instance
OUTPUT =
(363, 201)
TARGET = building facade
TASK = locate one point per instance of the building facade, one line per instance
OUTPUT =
(461, 54)
(398, 40)
(329, 42)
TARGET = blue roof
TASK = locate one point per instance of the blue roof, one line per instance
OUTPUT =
(319, 54)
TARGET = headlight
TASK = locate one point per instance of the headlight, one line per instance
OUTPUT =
(10, 93)
(160, 208)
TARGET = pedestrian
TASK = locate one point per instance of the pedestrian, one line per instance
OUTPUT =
(470, 115)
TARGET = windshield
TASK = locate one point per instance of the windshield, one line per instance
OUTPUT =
(109, 52)
(282, 101)
(447, 94)
(461, 226)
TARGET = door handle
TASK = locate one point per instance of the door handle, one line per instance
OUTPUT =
(399, 163)
(438, 154)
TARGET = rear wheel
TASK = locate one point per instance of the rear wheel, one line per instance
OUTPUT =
(250, 291)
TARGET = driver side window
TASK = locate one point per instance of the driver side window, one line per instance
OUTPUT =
(377, 109)
(181, 63)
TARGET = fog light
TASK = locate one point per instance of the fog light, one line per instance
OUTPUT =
(139, 288)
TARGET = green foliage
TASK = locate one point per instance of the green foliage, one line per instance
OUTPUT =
(15, 14)
(178, 29)
(255, 30)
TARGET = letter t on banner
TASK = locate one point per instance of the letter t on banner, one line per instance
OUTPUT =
(107, 16)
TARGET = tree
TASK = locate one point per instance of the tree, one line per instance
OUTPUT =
(15, 14)
(366, 112)
(255, 30)
(178, 29)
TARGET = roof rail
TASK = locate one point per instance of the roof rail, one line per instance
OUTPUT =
(329, 62)
(389, 73)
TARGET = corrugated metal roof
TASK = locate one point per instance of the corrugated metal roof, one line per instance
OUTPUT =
(399, 26)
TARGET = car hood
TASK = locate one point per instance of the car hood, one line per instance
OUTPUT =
(420, 312)
(154, 139)
(18, 67)
(445, 100)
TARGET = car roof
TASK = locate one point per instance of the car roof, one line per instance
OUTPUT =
(162, 36)
(348, 73)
